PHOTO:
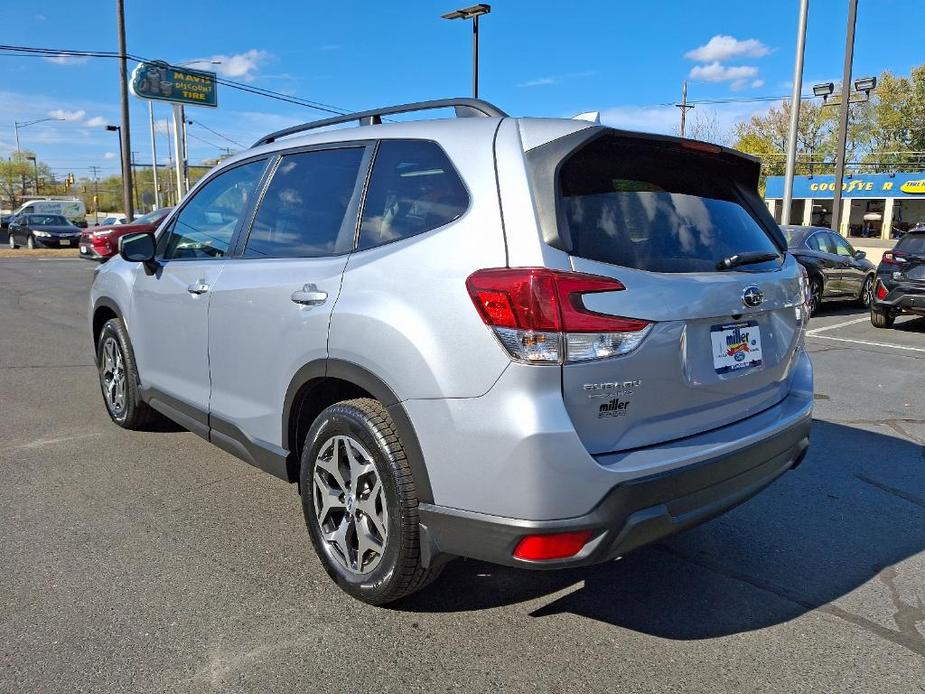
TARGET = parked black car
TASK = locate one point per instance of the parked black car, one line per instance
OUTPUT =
(836, 271)
(900, 286)
(42, 230)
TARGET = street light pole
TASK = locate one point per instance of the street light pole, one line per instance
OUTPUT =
(118, 129)
(125, 144)
(157, 192)
(843, 115)
(794, 113)
(473, 13)
(35, 163)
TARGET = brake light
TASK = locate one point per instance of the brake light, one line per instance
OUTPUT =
(881, 291)
(556, 546)
(891, 258)
(539, 317)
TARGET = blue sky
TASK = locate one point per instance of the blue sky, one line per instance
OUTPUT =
(625, 59)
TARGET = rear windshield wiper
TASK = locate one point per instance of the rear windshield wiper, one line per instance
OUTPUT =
(746, 258)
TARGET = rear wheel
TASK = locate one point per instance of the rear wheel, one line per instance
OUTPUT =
(882, 319)
(360, 503)
(30, 242)
(866, 292)
(12, 242)
(119, 378)
(815, 295)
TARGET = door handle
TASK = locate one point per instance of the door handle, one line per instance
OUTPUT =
(199, 287)
(309, 295)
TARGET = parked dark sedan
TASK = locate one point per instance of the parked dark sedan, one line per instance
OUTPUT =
(900, 286)
(836, 271)
(42, 230)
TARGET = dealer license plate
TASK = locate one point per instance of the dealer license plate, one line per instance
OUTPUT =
(735, 346)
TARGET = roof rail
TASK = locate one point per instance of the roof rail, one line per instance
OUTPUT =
(465, 108)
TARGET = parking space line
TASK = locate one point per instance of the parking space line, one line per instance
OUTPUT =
(866, 342)
(816, 331)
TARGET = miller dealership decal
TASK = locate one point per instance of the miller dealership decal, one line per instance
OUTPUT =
(617, 393)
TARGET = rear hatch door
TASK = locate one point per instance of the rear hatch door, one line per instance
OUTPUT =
(667, 218)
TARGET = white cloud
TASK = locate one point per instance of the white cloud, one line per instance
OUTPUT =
(721, 47)
(714, 72)
(243, 66)
(757, 83)
(109, 155)
(556, 79)
(67, 115)
(95, 122)
(66, 59)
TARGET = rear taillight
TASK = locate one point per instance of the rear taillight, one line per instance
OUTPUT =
(539, 317)
(891, 258)
(881, 291)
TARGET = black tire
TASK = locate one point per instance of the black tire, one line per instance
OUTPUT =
(881, 319)
(815, 291)
(12, 242)
(866, 292)
(134, 412)
(399, 571)
(30, 242)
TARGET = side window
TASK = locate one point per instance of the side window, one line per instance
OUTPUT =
(841, 246)
(205, 225)
(821, 242)
(304, 211)
(414, 188)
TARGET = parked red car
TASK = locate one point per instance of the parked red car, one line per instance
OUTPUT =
(102, 242)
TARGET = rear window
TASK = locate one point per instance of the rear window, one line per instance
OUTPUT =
(912, 243)
(656, 208)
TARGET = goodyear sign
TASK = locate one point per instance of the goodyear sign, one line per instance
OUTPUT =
(896, 185)
(163, 82)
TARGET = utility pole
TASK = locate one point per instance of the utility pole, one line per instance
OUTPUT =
(843, 114)
(125, 139)
(137, 185)
(179, 134)
(684, 106)
(157, 192)
(167, 186)
(794, 113)
(95, 172)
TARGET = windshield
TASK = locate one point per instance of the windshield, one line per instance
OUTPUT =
(912, 243)
(47, 220)
(650, 208)
(152, 217)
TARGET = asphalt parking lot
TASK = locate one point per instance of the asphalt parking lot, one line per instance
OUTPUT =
(155, 562)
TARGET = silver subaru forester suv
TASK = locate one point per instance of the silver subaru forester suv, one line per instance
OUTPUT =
(536, 342)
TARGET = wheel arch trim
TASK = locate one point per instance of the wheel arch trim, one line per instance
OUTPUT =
(372, 384)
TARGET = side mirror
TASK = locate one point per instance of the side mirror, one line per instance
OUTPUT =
(137, 248)
(860, 255)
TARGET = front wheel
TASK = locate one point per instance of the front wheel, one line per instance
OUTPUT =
(30, 242)
(866, 292)
(360, 503)
(119, 378)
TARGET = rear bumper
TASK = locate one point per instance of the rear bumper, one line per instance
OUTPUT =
(901, 297)
(633, 513)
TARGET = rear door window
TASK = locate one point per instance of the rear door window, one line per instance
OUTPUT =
(304, 212)
(414, 188)
(821, 242)
(657, 209)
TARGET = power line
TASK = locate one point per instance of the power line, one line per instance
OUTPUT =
(215, 132)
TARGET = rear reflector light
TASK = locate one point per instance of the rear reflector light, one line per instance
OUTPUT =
(557, 546)
(881, 291)
(539, 317)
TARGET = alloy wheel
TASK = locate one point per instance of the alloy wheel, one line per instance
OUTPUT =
(30, 243)
(350, 506)
(11, 242)
(815, 298)
(867, 292)
(112, 374)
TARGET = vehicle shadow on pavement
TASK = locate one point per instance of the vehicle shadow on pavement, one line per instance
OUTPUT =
(853, 509)
(916, 325)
